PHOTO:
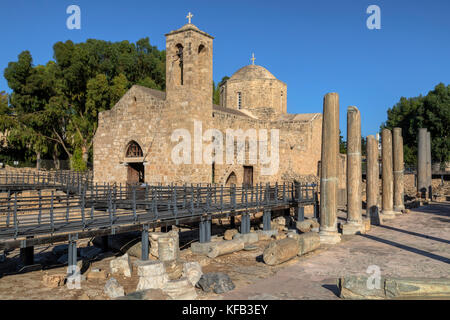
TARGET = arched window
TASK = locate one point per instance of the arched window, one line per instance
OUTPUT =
(134, 150)
(180, 57)
(201, 49)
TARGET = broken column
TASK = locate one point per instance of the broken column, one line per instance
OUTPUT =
(387, 175)
(329, 170)
(429, 176)
(354, 205)
(398, 170)
(281, 251)
(422, 163)
(372, 179)
(169, 247)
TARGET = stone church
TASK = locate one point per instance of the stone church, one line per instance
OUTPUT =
(133, 142)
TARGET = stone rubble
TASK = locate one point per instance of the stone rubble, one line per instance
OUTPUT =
(215, 281)
(192, 271)
(113, 289)
(53, 280)
(121, 265)
(152, 275)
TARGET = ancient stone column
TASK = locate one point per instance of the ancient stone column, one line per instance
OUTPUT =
(372, 180)
(429, 176)
(387, 175)
(354, 205)
(398, 170)
(422, 163)
(329, 170)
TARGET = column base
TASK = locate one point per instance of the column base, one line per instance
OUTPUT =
(353, 228)
(366, 224)
(388, 215)
(329, 237)
(375, 217)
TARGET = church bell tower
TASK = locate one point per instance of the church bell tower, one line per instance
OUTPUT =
(189, 66)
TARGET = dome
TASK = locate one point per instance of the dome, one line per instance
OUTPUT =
(252, 72)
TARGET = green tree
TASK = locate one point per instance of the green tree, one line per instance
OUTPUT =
(431, 112)
(54, 108)
(216, 90)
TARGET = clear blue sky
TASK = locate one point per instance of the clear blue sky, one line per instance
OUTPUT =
(315, 46)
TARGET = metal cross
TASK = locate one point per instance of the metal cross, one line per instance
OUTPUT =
(189, 16)
(253, 58)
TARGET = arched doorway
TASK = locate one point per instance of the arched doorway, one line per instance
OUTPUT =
(231, 180)
(135, 166)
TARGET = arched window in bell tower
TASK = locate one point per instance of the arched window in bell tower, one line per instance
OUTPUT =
(180, 58)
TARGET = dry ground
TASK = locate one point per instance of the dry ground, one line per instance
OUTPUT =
(413, 245)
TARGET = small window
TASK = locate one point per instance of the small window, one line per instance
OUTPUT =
(201, 49)
(239, 100)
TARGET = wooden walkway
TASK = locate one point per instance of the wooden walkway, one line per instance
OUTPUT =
(88, 210)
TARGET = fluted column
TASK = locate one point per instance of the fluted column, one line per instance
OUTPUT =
(372, 180)
(387, 175)
(429, 176)
(422, 163)
(354, 205)
(398, 170)
(329, 170)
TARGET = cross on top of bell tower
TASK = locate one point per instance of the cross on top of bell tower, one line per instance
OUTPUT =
(253, 58)
(189, 16)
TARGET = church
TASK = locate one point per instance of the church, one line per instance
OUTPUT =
(134, 141)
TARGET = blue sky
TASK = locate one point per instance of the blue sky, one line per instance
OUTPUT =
(314, 46)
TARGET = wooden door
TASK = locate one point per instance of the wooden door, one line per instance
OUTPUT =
(248, 176)
(135, 173)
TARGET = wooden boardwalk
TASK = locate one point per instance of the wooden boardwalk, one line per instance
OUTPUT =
(88, 210)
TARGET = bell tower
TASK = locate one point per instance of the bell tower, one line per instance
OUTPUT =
(189, 66)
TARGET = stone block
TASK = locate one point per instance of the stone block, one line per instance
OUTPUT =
(53, 280)
(308, 242)
(174, 269)
(266, 234)
(201, 248)
(113, 289)
(152, 282)
(229, 234)
(215, 281)
(281, 251)
(192, 271)
(121, 265)
(251, 237)
(180, 289)
(149, 268)
(168, 247)
(153, 238)
(225, 247)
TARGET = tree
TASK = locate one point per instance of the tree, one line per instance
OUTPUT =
(431, 112)
(28, 122)
(216, 90)
(54, 108)
(342, 144)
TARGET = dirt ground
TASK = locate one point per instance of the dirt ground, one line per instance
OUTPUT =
(248, 272)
